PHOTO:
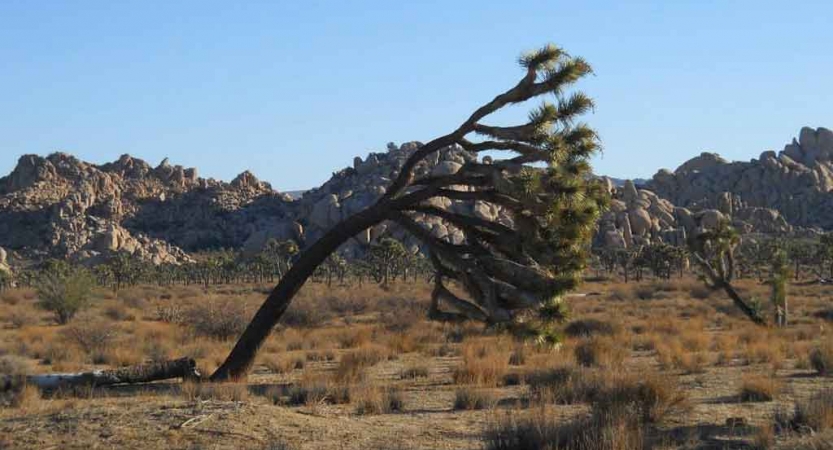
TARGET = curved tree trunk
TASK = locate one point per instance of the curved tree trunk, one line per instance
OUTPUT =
(242, 356)
(722, 283)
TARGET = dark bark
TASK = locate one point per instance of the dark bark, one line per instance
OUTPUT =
(242, 355)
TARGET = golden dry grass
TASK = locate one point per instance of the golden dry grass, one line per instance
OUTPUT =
(657, 348)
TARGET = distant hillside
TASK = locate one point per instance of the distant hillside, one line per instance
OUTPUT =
(61, 206)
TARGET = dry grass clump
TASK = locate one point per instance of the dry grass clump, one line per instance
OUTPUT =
(118, 313)
(814, 415)
(352, 338)
(22, 317)
(321, 356)
(375, 400)
(764, 351)
(589, 328)
(565, 385)
(169, 312)
(518, 356)
(603, 430)
(352, 367)
(16, 296)
(95, 338)
(700, 291)
(821, 358)
(598, 351)
(414, 371)
(672, 355)
(481, 366)
(652, 397)
(652, 291)
(402, 342)
(315, 389)
(470, 399)
(218, 318)
(283, 364)
(227, 392)
(759, 388)
(306, 313)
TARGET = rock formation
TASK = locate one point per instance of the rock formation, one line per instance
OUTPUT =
(796, 182)
(639, 216)
(60, 206)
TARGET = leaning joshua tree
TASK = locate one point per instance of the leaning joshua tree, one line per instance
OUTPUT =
(506, 268)
(714, 253)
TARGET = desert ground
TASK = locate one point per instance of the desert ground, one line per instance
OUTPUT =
(649, 364)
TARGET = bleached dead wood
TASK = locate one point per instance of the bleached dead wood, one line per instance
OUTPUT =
(185, 368)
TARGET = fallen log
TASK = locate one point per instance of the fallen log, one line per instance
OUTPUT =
(185, 368)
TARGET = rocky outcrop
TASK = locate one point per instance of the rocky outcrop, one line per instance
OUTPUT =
(355, 188)
(60, 206)
(639, 216)
(796, 182)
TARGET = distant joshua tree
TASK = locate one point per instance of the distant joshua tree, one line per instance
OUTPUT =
(507, 271)
(714, 253)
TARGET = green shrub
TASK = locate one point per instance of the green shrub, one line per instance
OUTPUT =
(64, 291)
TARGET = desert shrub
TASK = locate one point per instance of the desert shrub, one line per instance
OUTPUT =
(811, 416)
(118, 313)
(352, 338)
(600, 352)
(700, 292)
(467, 398)
(218, 318)
(518, 356)
(402, 342)
(758, 388)
(306, 314)
(589, 328)
(64, 292)
(316, 389)
(824, 314)
(321, 356)
(401, 314)
(565, 385)
(279, 365)
(95, 338)
(352, 366)
(374, 400)
(414, 372)
(12, 296)
(647, 292)
(672, 355)
(16, 392)
(169, 312)
(821, 358)
(346, 304)
(481, 369)
(603, 430)
(234, 392)
(21, 318)
(650, 397)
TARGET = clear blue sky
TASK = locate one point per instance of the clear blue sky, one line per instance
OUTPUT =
(294, 89)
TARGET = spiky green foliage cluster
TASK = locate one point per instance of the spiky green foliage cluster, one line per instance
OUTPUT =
(517, 273)
(717, 246)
